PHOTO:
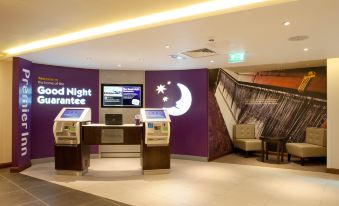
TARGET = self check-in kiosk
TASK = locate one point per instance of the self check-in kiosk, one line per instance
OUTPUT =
(155, 144)
(70, 152)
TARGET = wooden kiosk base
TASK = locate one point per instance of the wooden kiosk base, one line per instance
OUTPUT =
(155, 158)
(74, 158)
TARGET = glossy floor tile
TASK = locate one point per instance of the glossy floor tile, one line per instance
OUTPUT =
(193, 183)
(21, 190)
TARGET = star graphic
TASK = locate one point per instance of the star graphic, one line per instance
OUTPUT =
(161, 88)
(165, 99)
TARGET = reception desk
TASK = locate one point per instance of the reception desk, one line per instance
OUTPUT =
(76, 158)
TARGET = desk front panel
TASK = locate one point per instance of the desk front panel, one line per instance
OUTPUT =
(112, 135)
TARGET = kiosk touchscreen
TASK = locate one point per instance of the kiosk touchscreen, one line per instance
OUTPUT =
(67, 125)
(157, 126)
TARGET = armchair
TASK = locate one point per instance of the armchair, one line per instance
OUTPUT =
(244, 138)
(314, 146)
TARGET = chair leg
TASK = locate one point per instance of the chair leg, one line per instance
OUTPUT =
(246, 154)
(289, 157)
(302, 160)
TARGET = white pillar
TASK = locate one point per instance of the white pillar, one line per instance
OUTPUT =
(333, 113)
(6, 111)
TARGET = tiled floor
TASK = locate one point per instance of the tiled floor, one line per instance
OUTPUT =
(19, 189)
(193, 183)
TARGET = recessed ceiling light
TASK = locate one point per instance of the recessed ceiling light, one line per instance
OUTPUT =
(167, 46)
(212, 61)
(286, 23)
(178, 57)
(202, 8)
(119, 65)
(306, 49)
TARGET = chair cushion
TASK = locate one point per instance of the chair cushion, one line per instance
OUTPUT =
(306, 150)
(244, 131)
(248, 144)
(316, 136)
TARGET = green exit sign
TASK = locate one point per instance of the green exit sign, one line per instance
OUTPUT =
(236, 57)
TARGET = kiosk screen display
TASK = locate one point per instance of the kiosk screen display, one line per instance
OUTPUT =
(155, 114)
(121, 95)
(72, 113)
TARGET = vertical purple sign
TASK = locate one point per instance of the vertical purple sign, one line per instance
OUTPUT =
(21, 121)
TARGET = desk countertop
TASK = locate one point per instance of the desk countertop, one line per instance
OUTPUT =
(105, 125)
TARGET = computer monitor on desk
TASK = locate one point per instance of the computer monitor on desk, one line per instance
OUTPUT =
(113, 119)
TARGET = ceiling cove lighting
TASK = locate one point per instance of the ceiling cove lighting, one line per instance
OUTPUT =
(120, 26)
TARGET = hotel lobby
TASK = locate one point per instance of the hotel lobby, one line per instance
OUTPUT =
(184, 102)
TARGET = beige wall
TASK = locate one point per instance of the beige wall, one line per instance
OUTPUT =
(120, 77)
(333, 113)
(5, 111)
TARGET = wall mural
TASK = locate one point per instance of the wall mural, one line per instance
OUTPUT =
(279, 103)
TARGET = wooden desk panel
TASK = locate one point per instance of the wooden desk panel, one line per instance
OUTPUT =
(92, 134)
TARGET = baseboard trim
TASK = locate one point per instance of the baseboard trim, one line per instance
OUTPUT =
(119, 154)
(19, 169)
(94, 156)
(332, 170)
(5, 165)
(42, 160)
(189, 157)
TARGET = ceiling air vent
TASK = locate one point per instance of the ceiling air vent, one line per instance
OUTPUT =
(200, 53)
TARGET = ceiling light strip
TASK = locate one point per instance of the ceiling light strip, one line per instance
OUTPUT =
(196, 9)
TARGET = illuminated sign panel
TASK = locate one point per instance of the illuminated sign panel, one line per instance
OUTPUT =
(236, 57)
(64, 96)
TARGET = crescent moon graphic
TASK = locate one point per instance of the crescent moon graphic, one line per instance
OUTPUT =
(183, 104)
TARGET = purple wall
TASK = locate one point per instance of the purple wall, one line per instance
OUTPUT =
(21, 114)
(189, 132)
(43, 114)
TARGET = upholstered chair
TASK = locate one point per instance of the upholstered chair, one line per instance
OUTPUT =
(244, 138)
(314, 145)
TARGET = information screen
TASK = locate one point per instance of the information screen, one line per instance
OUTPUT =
(121, 95)
(155, 114)
(72, 113)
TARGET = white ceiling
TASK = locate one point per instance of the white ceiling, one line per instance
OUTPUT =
(258, 32)
(23, 21)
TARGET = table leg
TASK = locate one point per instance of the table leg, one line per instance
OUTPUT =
(278, 153)
(262, 150)
(266, 152)
(282, 151)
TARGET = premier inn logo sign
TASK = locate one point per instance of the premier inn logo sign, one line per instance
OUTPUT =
(25, 92)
